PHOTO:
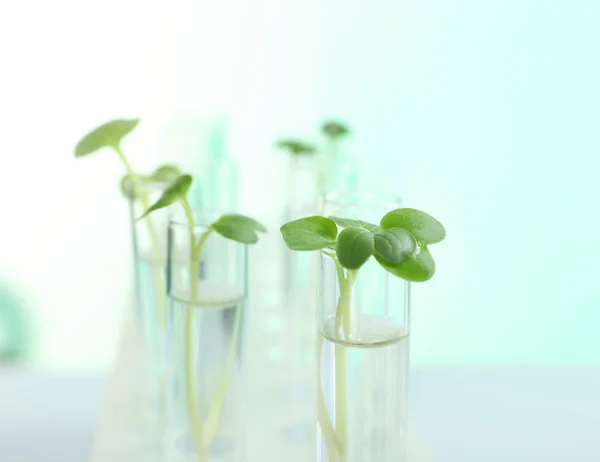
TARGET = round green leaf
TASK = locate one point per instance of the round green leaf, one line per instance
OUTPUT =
(311, 233)
(334, 129)
(242, 220)
(109, 134)
(354, 247)
(417, 268)
(177, 190)
(235, 231)
(349, 223)
(425, 228)
(296, 147)
(166, 173)
(394, 245)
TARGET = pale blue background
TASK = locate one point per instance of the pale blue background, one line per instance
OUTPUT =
(485, 113)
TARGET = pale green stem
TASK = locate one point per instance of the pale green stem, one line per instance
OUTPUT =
(204, 435)
(343, 312)
(335, 440)
(329, 436)
(157, 255)
(343, 326)
(214, 414)
(211, 424)
(343, 318)
(190, 381)
(190, 377)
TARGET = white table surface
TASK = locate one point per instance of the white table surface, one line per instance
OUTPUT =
(465, 415)
(48, 418)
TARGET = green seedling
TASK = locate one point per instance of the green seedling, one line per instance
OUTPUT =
(334, 129)
(237, 228)
(333, 132)
(400, 244)
(296, 147)
(133, 185)
(297, 150)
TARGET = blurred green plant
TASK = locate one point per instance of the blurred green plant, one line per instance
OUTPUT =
(296, 147)
(235, 227)
(334, 129)
(133, 185)
(334, 132)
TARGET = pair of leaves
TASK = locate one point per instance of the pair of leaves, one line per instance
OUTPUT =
(355, 245)
(426, 230)
(236, 227)
(331, 129)
(399, 243)
(164, 174)
(334, 129)
(108, 134)
(317, 232)
(296, 147)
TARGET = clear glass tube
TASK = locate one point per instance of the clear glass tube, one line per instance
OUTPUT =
(216, 186)
(205, 418)
(217, 183)
(341, 167)
(149, 239)
(363, 352)
(298, 309)
(302, 201)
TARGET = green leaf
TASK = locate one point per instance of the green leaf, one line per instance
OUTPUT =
(354, 247)
(296, 147)
(417, 268)
(109, 134)
(349, 223)
(235, 232)
(177, 190)
(238, 228)
(166, 173)
(394, 245)
(242, 220)
(311, 233)
(334, 129)
(425, 228)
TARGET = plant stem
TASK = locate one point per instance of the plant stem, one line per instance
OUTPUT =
(190, 381)
(329, 436)
(342, 319)
(335, 440)
(212, 420)
(211, 424)
(190, 376)
(157, 255)
(343, 312)
(204, 435)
